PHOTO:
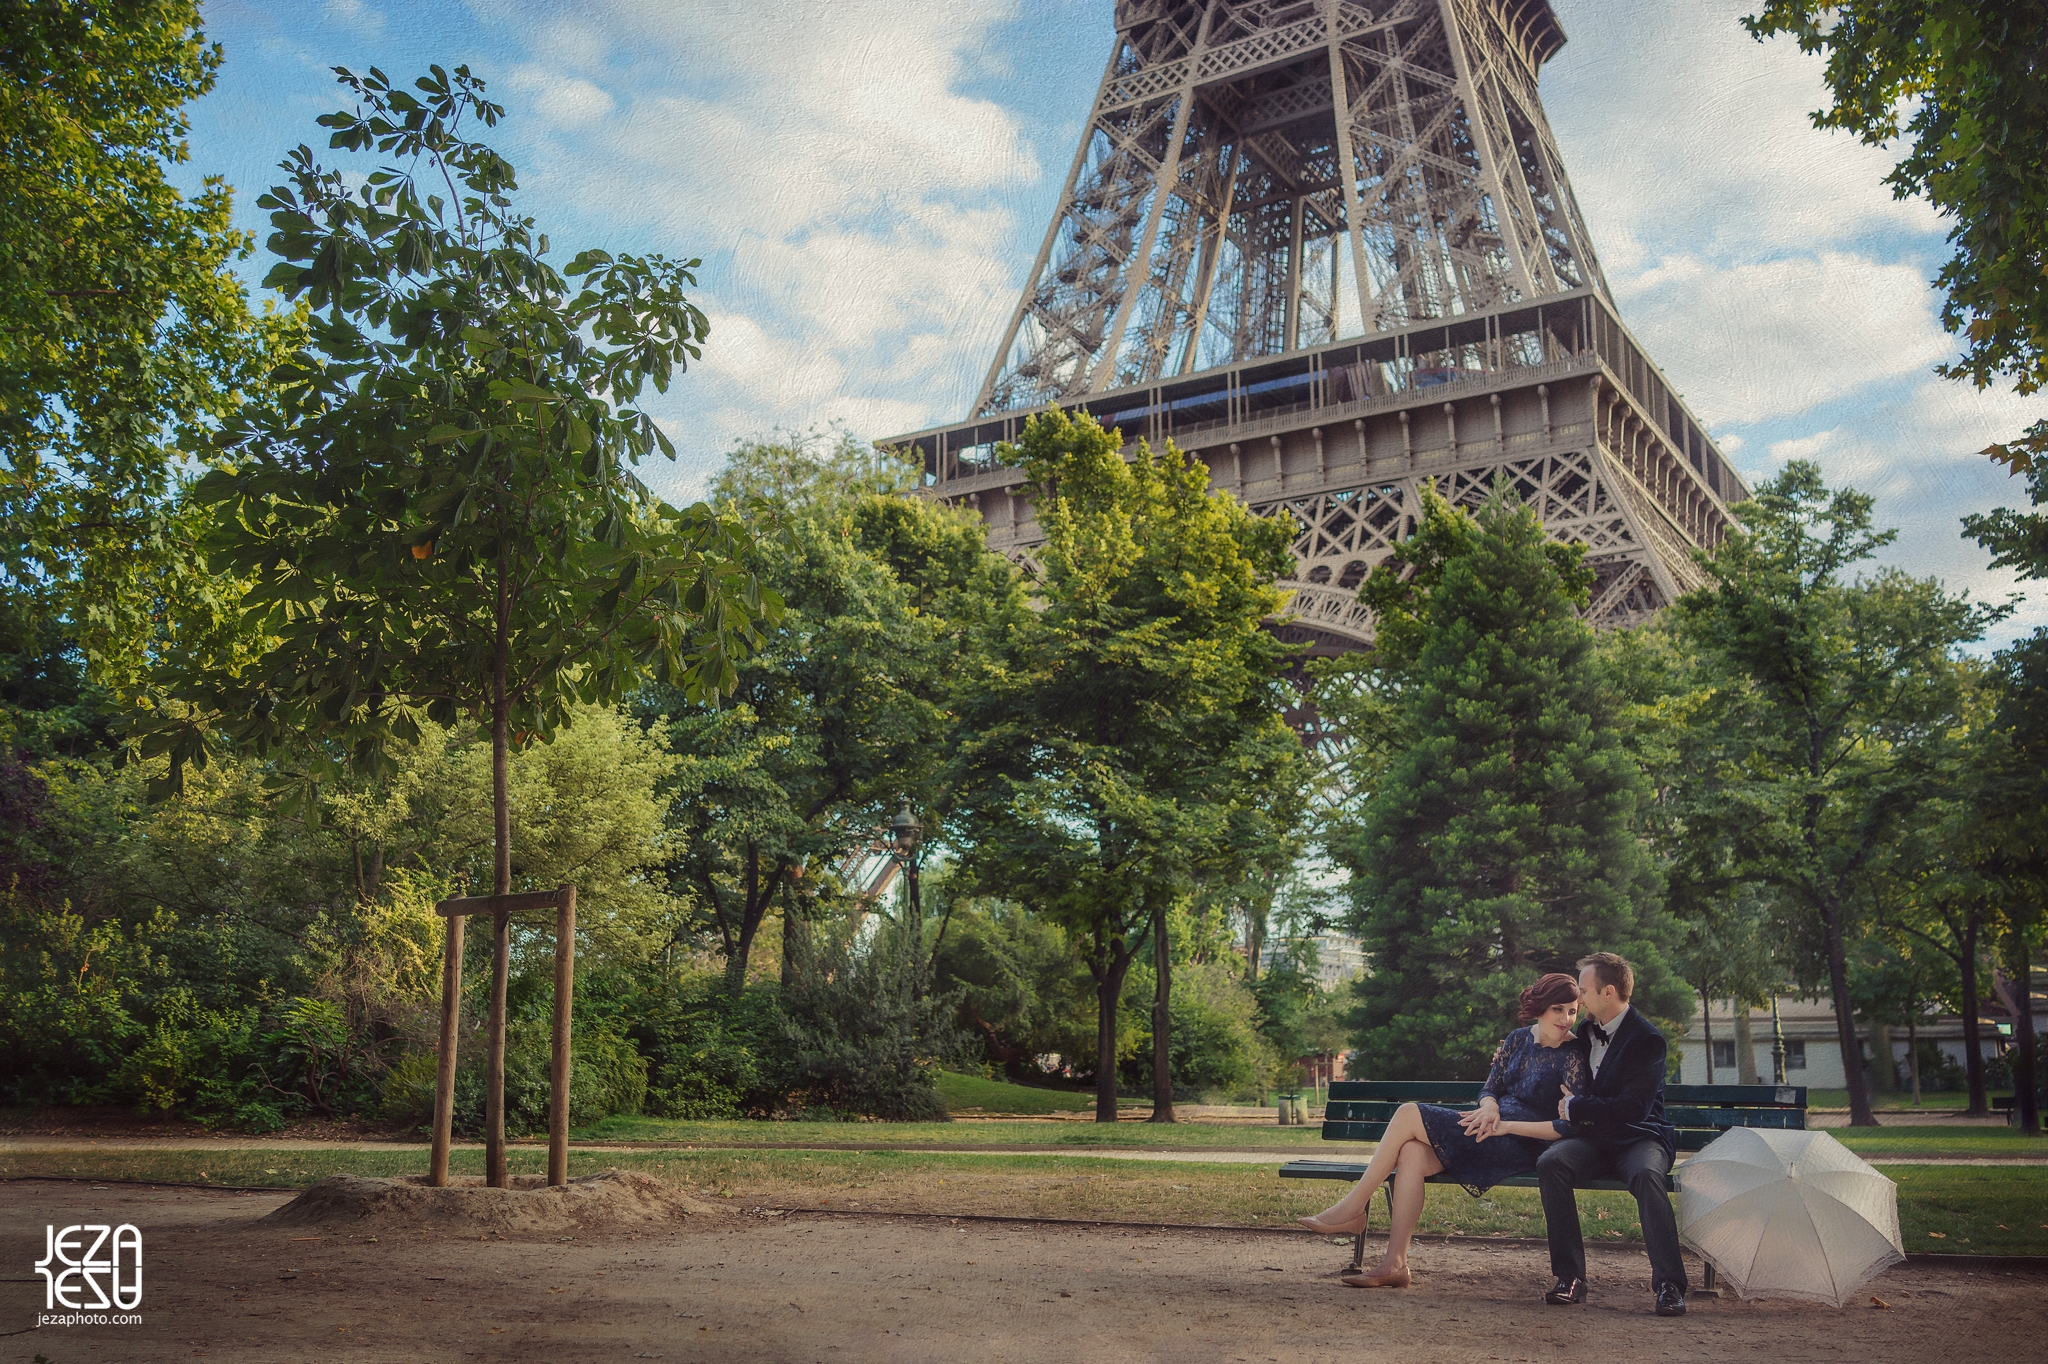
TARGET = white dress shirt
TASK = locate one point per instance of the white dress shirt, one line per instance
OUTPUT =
(1597, 1050)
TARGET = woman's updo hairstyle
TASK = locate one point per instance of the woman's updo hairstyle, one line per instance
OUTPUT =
(1555, 988)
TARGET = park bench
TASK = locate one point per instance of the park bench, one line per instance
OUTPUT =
(1359, 1110)
(2008, 1104)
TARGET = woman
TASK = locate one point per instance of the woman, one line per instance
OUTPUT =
(1499, 1140)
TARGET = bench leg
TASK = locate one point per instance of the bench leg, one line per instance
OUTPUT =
(1358, 1242)
(1708, 1285)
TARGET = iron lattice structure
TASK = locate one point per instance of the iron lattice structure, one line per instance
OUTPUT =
(1329, 247)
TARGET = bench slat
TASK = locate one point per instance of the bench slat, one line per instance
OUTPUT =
(1721, 1118)
(1467, 1091)
(1351, 1170)
(1687, 1138)
(1383, 1111)
(1401, 1091)
(1742, 1096)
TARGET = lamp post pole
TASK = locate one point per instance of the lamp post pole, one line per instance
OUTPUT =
(1777, 1043)
(907, 838)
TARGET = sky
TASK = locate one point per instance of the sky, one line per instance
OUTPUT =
(866, 183)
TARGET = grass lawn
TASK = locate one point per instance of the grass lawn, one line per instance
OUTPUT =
(1872, 1142)
(972, 1094)
(1839, 1098)
(1976, 1209)
(995, 1134)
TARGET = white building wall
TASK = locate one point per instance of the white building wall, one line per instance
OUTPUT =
(1811, 1022)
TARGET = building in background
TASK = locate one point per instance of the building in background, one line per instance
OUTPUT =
(1813, 1054)
(1338, 960)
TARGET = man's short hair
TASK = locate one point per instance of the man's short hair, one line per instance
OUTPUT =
(1609, 969)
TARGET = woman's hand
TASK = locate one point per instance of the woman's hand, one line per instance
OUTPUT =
(1483, 1121)
(1564, 1105)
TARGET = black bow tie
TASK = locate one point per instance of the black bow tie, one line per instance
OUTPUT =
(1600, 1033)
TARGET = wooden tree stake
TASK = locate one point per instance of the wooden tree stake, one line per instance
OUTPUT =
(444, 1081)
(501, 908)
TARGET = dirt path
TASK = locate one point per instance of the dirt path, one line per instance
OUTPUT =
(1197, 1154)
(221, 1285)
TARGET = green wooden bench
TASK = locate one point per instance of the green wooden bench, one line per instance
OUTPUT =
(1359, 1110)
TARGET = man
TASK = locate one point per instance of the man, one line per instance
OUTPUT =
(1617, 1132)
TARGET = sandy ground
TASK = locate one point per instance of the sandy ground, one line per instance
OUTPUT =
(1195, 1154)
(221, 1284)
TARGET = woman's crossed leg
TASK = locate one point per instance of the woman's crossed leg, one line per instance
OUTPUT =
(1348, 1213)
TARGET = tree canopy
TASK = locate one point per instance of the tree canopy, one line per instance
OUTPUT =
(1500, 840)
(1965, 86)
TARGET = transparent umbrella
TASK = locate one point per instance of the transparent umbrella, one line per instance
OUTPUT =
(1789, 1214)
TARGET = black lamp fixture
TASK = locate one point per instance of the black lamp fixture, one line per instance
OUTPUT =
(906, 832)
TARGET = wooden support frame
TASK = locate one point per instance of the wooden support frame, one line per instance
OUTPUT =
(501, 908)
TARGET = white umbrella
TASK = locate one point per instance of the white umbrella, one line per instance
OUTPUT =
(1789, 1214)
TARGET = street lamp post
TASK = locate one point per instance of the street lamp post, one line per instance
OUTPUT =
(1777, 1043)
(906, 837)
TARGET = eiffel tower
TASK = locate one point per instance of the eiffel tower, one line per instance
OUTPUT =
(1328, 246)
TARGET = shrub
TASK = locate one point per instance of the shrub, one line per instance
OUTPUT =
(710, 1054)
(606, 1077)
(406, 1096)
(1215, 1044)
(864, 1037)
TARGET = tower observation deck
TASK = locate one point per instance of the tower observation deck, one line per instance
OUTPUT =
(1329, 248)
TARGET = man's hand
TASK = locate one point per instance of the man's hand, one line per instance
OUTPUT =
(1482, 1121)
(1564, 1105)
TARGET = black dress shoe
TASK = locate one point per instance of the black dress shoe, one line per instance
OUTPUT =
(1671, 1301)
(1571, 1290)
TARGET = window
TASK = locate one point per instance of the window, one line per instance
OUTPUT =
(1724, 1055)
(1795, 1056)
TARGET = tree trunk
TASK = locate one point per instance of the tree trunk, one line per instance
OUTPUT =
(1162, 1018)
(501, 884)
(1115, 958)
(1845, 1021)
(796, 936)
(1973, 1005)
(1913, 1051)
(2025, 1084)
(1745, 1047)
(1884, 1075)
(1707, 1026)
(1254, 939)
(753, 907)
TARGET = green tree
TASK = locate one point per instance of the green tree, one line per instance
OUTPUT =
(1844, 689)
(2014, 788)
(841, 715)
(124, 336)
(1501, 840)
(436, 505)
(1111, 728)
(1960, 82)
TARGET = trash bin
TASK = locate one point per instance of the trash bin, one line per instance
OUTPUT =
(1300, 1111)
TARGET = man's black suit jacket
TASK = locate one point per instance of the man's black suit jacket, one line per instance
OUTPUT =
(1624, 1103)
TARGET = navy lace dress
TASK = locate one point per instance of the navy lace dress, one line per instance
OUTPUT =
(1524, 1080)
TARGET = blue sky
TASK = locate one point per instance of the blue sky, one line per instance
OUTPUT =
(867, 181)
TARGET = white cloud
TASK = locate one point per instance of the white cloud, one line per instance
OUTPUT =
(1679, 130)
(850, 198)
(1759, 339)
(564, 101)
(357, 15)
(1803, 447)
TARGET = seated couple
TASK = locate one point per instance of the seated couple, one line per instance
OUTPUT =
(1569, 1106)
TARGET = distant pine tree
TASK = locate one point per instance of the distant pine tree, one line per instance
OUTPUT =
(1499, 842)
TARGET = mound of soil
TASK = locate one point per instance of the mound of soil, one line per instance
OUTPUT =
(613, 1198)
